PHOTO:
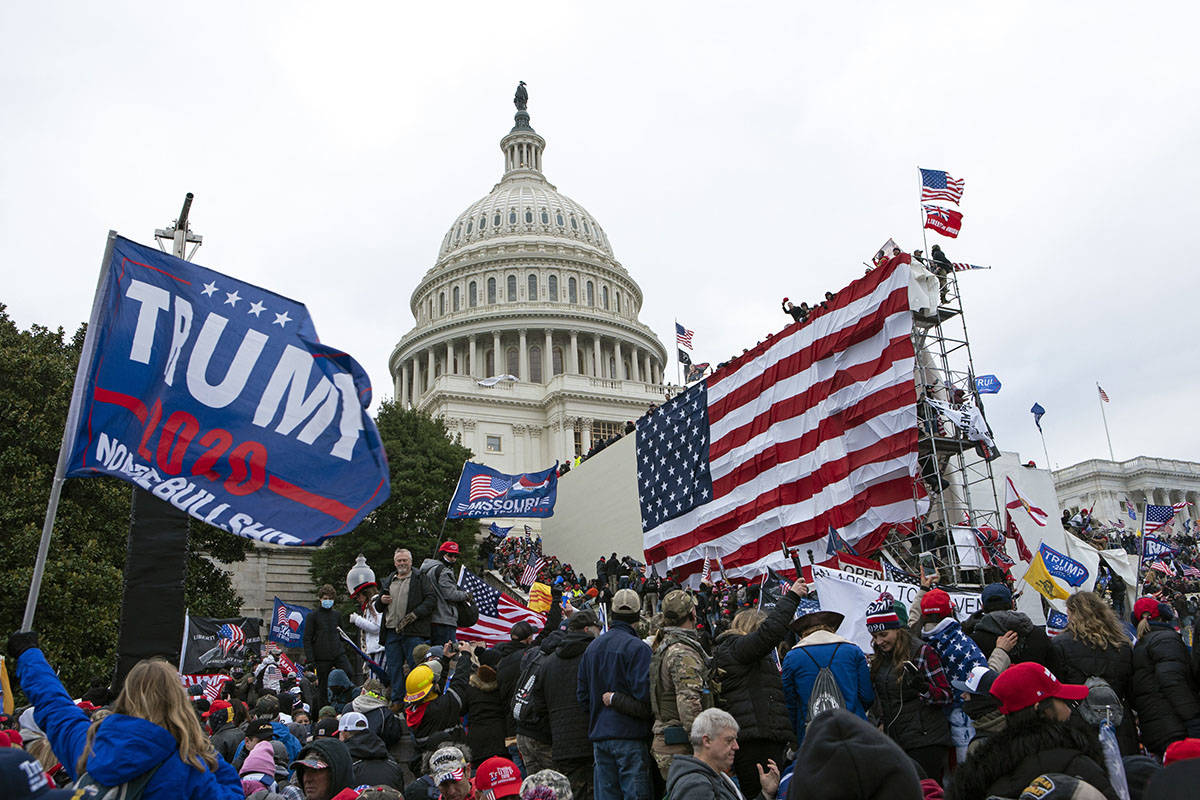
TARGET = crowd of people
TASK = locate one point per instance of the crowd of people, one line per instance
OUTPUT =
(636, 687)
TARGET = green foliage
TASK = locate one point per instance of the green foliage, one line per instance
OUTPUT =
(425, 464)
(79, 607)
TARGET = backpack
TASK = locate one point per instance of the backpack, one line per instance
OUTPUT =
(826, 695)
(522, 710)
(467, 612)
(131, 790)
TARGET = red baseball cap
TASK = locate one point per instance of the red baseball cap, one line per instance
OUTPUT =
(500, 775)
(217, 707)
(1178, 751)
(936, 603)
(449, 547)
(1026, 684)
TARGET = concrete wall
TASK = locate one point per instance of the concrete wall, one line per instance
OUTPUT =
(597, 510)
(271, 571)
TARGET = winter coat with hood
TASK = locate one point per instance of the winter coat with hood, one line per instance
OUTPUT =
(845, 757)
(442, 577)
(692, 779)
(372, 764)
(845, 660)
(910, 709)
(124, 748)
(225, 738)
(380, 719)
(334, 753)
(1004, 765)
(1074, 661)
(485, 714)
(1032, 642)
(511, 665)
(751, 688)
(554, 697)
(1164, 689)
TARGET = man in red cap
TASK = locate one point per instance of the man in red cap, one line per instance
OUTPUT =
(500, 776)
(1037, 739)
(443, 574)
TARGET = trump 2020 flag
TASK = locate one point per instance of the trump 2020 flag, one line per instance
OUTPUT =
(216, 396)
(287, 624)
(485, 492)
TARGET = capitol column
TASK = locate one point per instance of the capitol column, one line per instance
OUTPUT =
(496, 368)
(416, 380)
(431, 373)
(450, 358)
(596, 355)
(636, 374)
(573, 364)
(472, 366)
(523, 356)
(618, 362)
(403, 398)
(548, 357)
(647, 375)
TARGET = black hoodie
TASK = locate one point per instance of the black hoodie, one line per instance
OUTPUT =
(337, 756)
(372, 765)
(847, 758)
(554, 696)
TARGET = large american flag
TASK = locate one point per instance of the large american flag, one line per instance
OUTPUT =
(938, 185)
(485, 487)
(813, 428)
(497, 612)
(684, 336)
(1161, 516)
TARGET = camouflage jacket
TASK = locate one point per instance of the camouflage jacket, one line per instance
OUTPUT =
(679, 688)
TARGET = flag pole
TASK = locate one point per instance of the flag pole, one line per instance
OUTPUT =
(64, 454)
(678, 363)
(1104, 417)
(1042, 433)
(921, 211)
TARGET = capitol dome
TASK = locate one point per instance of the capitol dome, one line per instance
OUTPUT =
(527, 339)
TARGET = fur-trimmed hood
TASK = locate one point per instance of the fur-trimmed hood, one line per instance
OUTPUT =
(482, 685)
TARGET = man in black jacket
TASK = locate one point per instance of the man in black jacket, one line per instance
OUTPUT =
(372, 765)
(509, 668)
(407, 605)
(554, 701)
(322, 645)
(997, 617)
(225, 735)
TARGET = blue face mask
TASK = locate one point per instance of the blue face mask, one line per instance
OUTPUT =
(327, 603)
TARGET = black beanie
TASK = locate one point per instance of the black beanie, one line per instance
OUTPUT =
(850, 759)
(1138, 772)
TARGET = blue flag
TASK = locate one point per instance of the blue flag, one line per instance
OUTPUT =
(1153, 547)
(1063, 566)
(497, 531)
(216, 395)
(1038, 413)
(1056, 621)
(485, 492)
(835, 544)
(287, 624)
(987, 384)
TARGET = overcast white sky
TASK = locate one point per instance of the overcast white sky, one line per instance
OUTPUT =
(734, 153)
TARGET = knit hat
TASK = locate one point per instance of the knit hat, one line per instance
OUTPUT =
(261, 759)
(881, 616)
(1055, 786)
(849, 758)
(676, 606)
(1176, 782)
(1139, 771)
(1181, 750)
(936, 603)
(546, 785)
(1144, 606)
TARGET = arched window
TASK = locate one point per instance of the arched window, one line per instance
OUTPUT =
(528, 216)
(489, 362)
(458, 233)
(496, 219)
(612, 367)
(470, 226)
(572, 293)
(535, 364)
(457, 300)
(512, 362)
(556, 360)
(512, 288)
(591, 294)
(557, 218)
(582, 366)
(625, 364)
(441, 303)
(604, 297)
(472, 294)
(429, 309)
(545, 217)
(512, 217)
(552, 285)
(491, 290)
(574, 223)
(533, 292)
(482, 222)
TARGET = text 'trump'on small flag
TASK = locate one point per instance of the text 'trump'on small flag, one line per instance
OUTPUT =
(1039, 578)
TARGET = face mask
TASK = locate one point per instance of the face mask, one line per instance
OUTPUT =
(327, 603)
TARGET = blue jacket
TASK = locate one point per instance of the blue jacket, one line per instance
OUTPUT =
(849, 668)
(123, 748)
(617, 661)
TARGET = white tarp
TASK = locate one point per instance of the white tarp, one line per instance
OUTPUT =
(850, 595)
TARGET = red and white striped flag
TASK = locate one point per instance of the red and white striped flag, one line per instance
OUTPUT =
(497, 612)
(1103, 394)
(815, 427)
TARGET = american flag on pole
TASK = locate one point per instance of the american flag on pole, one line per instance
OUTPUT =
(1103, 394)
(486, 487)
(960, 266)
(1163, 567)
(938, 185)
(1190, 571)
(497, 612)
(532, 567)
(814, 427)
(1161, 516)
(683, 336)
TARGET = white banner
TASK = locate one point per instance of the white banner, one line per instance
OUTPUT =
(850, 595)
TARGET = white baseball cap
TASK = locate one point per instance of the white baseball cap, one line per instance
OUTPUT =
(352, 721)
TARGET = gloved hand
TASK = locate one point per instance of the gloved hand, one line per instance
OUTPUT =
(19, 642)
(407, 620)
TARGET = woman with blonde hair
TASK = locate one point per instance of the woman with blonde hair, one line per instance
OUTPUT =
(152, 739)
(1095, 645)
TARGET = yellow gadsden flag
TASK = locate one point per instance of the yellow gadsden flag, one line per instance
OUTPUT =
(6, 687)
(539, 598)
(1039, 578)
